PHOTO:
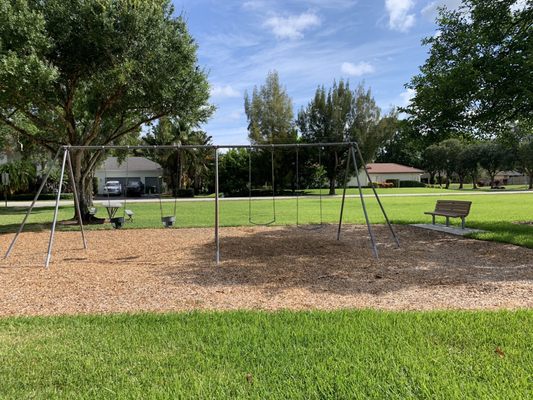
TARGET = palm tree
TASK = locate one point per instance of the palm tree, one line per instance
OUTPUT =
(182, 168)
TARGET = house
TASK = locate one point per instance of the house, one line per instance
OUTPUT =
(381, 172)
(131, 169)
(511, 178)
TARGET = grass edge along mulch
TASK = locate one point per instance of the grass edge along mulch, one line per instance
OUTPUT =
(246, 354)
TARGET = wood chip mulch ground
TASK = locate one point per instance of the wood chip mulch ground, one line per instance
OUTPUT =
(262, 268)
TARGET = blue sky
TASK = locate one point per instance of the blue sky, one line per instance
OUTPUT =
(310, 43)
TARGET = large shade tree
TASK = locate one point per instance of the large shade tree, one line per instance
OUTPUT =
(477, 79)
(92, 72)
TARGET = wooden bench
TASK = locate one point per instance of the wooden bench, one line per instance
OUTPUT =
(451, 209)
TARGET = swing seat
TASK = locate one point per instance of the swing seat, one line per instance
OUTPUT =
(130, 214)
(168, 222)
(117, 222)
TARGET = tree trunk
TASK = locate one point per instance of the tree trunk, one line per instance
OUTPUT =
(461, 181)
(530, 181)
(84, 186)
(432, 178)
(332, 185)
(447, 182)
(492, 180)
(474, 181)
(332, 165)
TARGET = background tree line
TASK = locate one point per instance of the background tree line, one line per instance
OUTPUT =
(454, 159)
(337, 114)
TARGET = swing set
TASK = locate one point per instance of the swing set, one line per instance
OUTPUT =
(168, 221)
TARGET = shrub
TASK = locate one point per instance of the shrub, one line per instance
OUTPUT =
(185, 192)
(408, 184)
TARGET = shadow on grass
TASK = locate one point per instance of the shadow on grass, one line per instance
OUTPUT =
(520, 234)
(280, 259)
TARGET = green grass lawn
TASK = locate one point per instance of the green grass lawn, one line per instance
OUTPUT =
(496, 214)
(304, 355)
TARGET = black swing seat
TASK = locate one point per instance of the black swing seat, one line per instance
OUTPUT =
(117, 222)
(168, 221)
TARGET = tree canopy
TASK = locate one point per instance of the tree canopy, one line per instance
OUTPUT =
(269, 113)
(90, 72)
(342, 114)
(477, 80)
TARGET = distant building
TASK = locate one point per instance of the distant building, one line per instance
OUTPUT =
(510, 178)
(381, 172)
(131, 169)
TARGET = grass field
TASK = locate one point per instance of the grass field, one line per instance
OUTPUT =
(497, 214)
(307, 355)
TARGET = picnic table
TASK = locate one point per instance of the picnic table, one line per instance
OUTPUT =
(112, 207)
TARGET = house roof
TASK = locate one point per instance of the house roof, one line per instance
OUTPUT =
(509, 173)
(391, 168)
(133, 164)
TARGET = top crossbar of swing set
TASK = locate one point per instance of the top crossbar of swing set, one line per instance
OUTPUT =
(353, 155)
(209, 146)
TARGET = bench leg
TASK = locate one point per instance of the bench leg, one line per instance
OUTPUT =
(462, 222)
(447, 221)
(433, 219)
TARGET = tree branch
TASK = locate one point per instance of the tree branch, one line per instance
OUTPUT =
(100, 112)
(92, 162)
(43, 142)
(132, 127)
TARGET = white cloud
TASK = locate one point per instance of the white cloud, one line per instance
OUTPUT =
(519, 5)
(293, 26)
(224, 91)
(430, 11)
(399, 17)
(359, 69)
(407, 96)
(253, 5)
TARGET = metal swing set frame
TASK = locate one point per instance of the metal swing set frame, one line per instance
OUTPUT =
(354, 154)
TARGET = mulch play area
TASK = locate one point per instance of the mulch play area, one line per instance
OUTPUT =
(262, 268)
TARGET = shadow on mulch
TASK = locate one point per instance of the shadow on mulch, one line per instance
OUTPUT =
(284, 258)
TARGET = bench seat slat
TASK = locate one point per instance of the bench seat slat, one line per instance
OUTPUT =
(446, 214)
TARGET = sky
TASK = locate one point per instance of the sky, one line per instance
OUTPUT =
(310, 43)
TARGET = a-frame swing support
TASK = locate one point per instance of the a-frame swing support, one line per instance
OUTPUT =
(66, 158)
(354, 154)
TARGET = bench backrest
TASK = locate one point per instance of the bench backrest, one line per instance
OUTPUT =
(453, 206)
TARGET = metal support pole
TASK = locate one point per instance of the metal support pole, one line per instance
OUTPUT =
(76, 199)
(217, 211)
(377, 197)
(346, 174)
(32, 204)
(370, 231)
(56, 210)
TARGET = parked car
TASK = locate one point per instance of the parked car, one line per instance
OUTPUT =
(135, 188)
(113, 188)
